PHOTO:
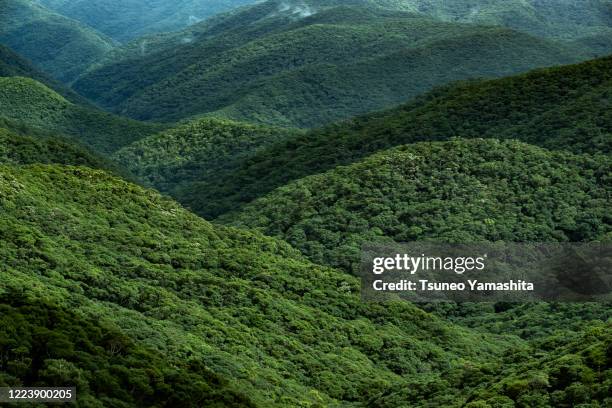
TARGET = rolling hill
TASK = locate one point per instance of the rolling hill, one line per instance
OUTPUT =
(35, 105)
(172, 160)
(565, 19)
(120, 291)
(20, 146)
(269, 65)
(57, 45)
(455, 191)
(559, 108)
(124, 20)
(12, 64)
(147, 302)
(139, 302)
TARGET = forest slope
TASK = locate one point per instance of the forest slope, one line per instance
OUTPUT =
(125, 20)
(22, 145)
(264, 65)
(59, 46)
(35, 105)
(198, 303)
(12, 64)
(559, 108)
(172, 160)
(566, 20)
(454, 191)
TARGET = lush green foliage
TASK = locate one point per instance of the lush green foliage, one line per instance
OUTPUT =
(121, 292)
(12, 64)
(249, 308)
(196, 152)
(563, 372)
(559, 108)
(569, 20)
(456, 191)
(58, 45)
(30, 102)
(127, 19)
(50, 346)
(23, 146)
(270, 66)
(164, 306)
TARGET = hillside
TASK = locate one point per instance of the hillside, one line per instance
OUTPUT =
(559, 108)
(267, 66)
(27, 147)
(147, 302)
(125, 20)
(529, 378)
(12, 64)
(59, 46)
(35, 105)
(173, 160)
(567, 19)
(244, 292)
(455, 191)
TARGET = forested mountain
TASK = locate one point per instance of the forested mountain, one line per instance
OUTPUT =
(290, 67)
(174, 160)
(124, 20)
(12, 64)
(574, 20)
(35, 105)
(140, 297)
(22, 145)
(177, 161)
(59, 46)
(456, 191)
(559, 108)
(139, 302)
(116, 289)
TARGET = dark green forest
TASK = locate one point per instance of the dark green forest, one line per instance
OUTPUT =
(198, 150)
(18, 146)
(60, 46)
(14, 65)
(334, 64)
(35, 105)
(185, 189)
(456, 191)
(118, 371)
(566, 108)
(151, 278)
(124, 20)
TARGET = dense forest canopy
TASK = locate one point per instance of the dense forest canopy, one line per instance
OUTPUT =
(456, 191)
(266, 66)
(173, 160)
(236, 318)
(62, 47)
(23, 145)
(110, 286)
(31, 102)
(125, 20)
(13, 64)
(565, 108)
(237, 302)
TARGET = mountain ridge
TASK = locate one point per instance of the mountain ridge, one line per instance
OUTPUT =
(558, 108)
(128, 19)
(247, 307)
(483, 189)
(12, 64)
(34, 104)
(57, 45)
(308, 71)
